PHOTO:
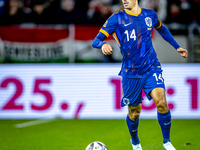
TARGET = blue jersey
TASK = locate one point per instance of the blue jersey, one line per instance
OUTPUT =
(133, 33)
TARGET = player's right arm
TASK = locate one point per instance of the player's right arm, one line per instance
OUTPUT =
(107, 29)
(98, 42)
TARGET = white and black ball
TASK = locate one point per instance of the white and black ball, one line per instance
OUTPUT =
(96, 146)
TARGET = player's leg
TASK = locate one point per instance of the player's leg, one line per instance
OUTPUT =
(155, 88)
(132, 120)
(132, 97)
(163, 115)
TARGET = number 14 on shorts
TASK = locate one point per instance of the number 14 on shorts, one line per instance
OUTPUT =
(159, 78)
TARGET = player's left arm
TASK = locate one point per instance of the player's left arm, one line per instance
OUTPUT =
(166, 34)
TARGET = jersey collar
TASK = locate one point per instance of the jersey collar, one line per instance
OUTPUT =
(133, 14)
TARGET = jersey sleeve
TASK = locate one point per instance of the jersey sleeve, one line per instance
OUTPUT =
(110, 25)
(164, 32)
(107, 29)
(157, 23)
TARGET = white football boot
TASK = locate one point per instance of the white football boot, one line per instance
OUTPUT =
(136, 147)
(168, 146)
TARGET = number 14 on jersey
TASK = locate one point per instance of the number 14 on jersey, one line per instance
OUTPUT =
(132, 35)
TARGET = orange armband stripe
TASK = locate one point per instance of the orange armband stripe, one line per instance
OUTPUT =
(104, 32)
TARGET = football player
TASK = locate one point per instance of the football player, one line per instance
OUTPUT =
(141, 70)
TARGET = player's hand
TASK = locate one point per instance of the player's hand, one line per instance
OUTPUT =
(184, 52)
(106, 49)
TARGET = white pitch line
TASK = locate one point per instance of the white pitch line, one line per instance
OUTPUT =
(32, 123)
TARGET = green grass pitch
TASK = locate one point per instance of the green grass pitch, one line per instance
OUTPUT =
(76, 134)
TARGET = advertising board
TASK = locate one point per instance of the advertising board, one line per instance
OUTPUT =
(88, 91)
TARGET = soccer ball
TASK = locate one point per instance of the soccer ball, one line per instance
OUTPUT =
(96, 146)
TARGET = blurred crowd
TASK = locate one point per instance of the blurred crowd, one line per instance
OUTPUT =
(91, 11)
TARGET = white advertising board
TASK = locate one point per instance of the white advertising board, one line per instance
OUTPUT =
(88, 91)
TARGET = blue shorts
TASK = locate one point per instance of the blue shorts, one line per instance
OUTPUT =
(132, 87)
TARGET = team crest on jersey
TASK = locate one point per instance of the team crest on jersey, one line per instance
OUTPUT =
(126, 101)
(148, 21)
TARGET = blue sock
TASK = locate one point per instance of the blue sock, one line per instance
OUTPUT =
(133, 129)
(164, 120)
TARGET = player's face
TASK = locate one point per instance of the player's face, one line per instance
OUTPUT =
(129, 4)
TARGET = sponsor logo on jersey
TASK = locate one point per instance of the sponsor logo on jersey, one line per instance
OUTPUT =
(159, 83)
(148, 21)
(127, 24)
